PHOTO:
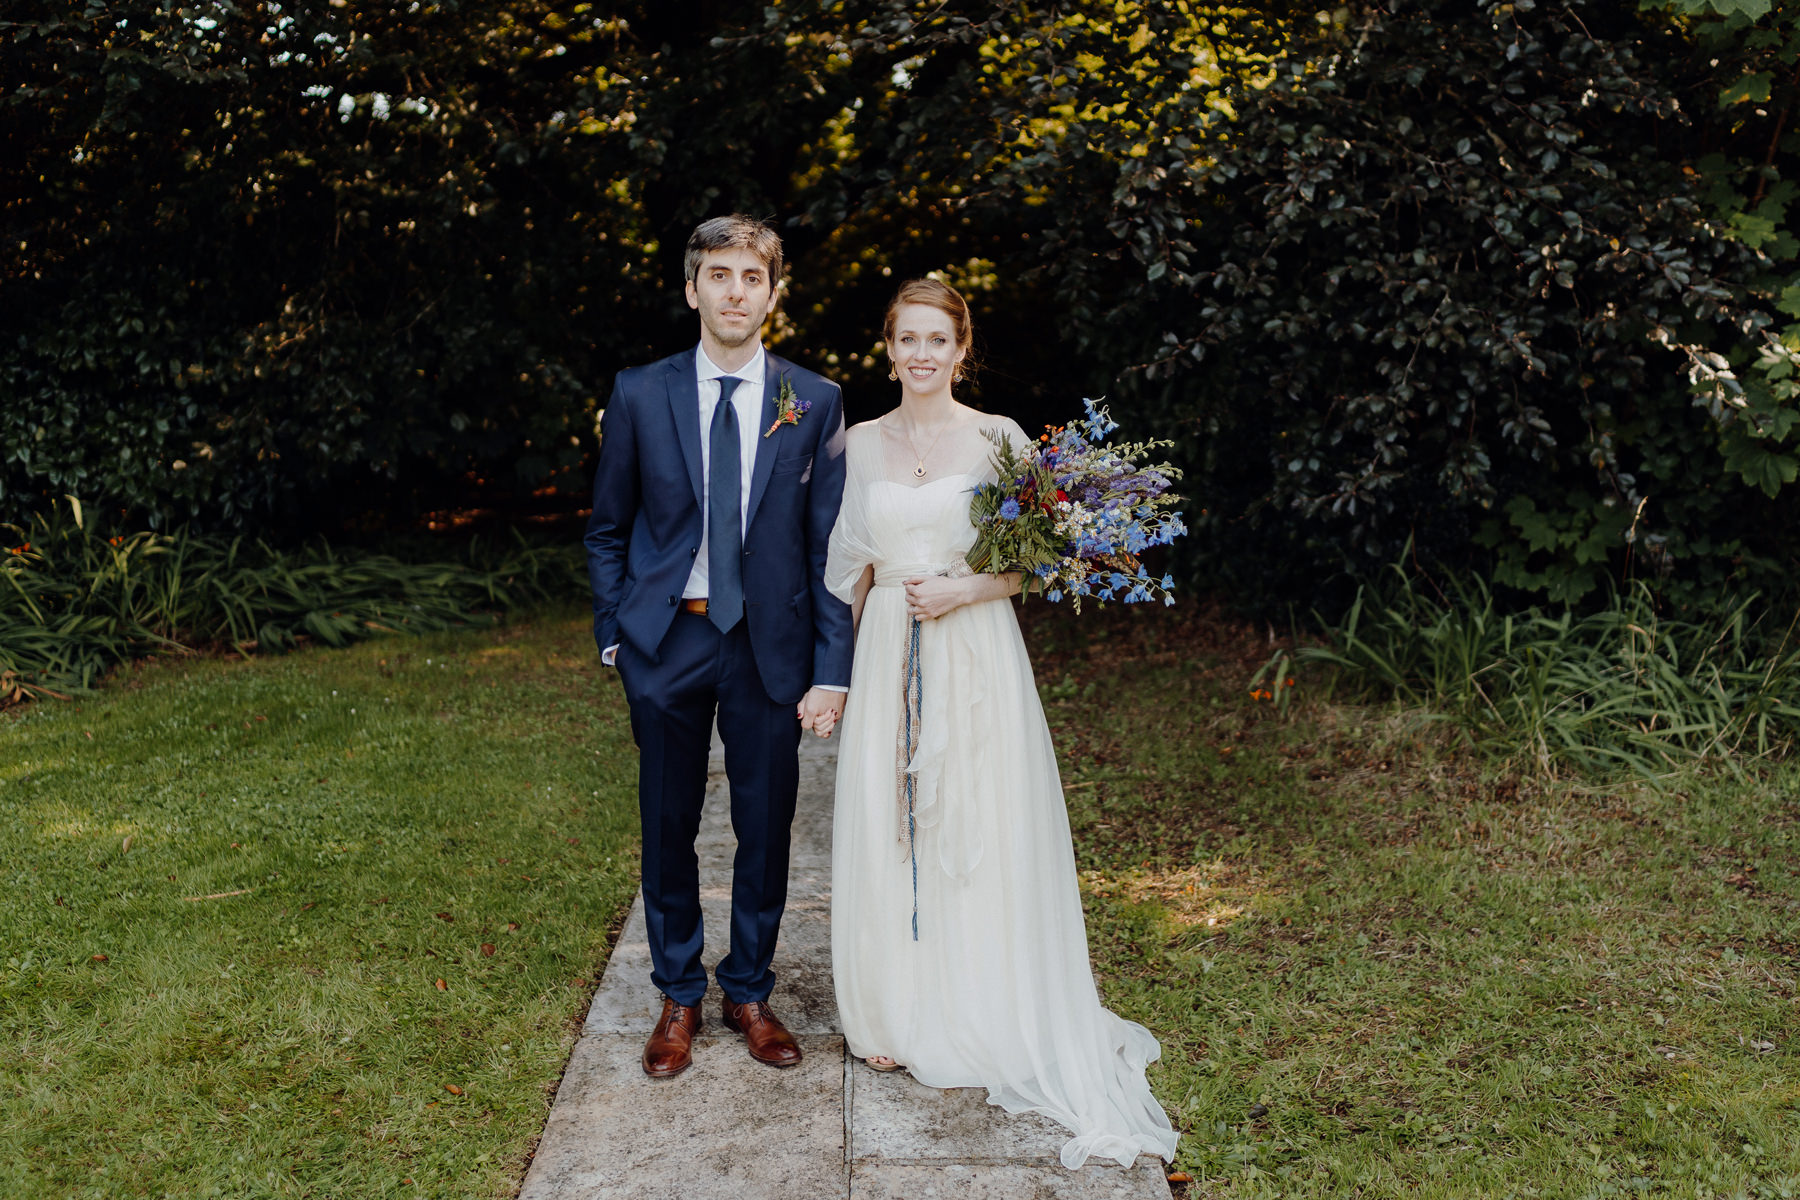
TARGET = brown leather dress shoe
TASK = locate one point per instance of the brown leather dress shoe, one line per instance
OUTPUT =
(768, 1039)
(671, 1045)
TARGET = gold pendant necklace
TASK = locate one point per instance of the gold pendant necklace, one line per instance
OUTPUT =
(919, 470)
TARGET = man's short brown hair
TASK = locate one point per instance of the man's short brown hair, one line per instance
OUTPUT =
(736, 232)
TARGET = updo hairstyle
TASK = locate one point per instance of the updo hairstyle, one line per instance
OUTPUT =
(946, 300)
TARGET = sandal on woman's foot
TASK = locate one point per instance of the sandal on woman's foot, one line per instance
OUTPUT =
(877, 1062)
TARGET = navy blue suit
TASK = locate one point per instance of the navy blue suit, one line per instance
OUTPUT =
(679, 670)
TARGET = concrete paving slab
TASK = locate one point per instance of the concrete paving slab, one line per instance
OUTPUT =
(893, 1116)
(878, 1179)
(828, 1129)
(728, 1127)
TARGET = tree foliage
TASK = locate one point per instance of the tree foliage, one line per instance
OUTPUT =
(280, 263)
(1505, 285)
(1442, 285)
(1749, 167)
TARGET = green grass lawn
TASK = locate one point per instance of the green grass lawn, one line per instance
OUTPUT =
(1380, 968)
(262, 917)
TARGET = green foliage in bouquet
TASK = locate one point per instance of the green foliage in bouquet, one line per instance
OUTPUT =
(1073, 514)
(1027, 542)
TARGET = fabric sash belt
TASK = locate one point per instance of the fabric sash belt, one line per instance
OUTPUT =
(920, 747)
(891, 575)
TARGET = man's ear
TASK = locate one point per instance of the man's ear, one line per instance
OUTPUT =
(693, 297)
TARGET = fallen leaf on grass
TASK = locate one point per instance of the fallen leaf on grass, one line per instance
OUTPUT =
(445, 917)
(125, 846)
(487, 949)
(442, 986)
(1180, 1177)
(453, 1089)
(219, 895)
(100, 958)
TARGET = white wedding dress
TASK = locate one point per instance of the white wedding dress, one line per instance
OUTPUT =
(995, 990)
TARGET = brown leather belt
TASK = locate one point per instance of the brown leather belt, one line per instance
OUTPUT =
(697, 607)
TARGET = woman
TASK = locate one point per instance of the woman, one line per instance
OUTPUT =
(957, 937)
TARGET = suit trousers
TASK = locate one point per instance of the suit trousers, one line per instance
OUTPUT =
(698, 673)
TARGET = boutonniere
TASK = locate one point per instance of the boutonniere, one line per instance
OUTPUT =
(789, 407)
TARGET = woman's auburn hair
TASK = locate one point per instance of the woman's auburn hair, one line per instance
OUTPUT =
(940, 296)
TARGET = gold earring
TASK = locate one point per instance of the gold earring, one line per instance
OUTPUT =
(892, 373)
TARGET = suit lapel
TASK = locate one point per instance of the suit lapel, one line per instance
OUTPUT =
(684, 406)
(765, 446)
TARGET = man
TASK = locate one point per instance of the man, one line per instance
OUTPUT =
(721, 471)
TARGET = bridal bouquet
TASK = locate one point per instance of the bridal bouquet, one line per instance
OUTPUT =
(1073, 514)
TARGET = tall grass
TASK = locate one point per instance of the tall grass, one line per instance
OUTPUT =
(1624, 686)
(76, 601)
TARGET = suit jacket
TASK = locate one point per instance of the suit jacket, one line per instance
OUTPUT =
(644, 533)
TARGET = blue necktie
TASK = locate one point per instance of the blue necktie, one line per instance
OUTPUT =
(724, 532)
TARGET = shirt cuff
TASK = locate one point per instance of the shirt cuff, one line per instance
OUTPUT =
(609, 657)
(830, 687)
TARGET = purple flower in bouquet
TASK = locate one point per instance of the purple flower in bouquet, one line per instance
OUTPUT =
(1073, 513)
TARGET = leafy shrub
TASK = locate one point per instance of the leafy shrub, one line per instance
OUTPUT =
(76, 601)
(1443, 279)
(1619, 687)
(1749, 168)
(275, 268)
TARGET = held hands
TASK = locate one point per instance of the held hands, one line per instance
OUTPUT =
(820, 709)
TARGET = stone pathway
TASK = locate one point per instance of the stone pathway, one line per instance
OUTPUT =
(829, 1129)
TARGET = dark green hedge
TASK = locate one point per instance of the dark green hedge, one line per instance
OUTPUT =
(1446, 285)
(276, 267)
(1428, 277)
